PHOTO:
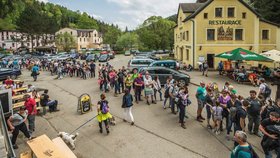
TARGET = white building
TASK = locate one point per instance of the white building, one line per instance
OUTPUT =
(13, 40)
(85, 38)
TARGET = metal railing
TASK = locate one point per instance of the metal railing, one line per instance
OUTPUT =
(4, 130)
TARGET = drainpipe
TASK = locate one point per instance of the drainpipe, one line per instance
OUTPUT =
(193, 46)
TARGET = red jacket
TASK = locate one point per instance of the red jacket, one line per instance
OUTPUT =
(30, 104)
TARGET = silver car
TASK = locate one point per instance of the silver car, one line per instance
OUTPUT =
(139, 63)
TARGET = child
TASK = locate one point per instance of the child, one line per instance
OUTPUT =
(127, 104)
(103, 113)
(217, 117)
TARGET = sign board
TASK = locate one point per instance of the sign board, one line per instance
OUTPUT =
(224, 22)
(201, 59)
(225, 34)
(6, 100)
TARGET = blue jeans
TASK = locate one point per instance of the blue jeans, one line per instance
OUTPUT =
(229, 125)
(117, 88)
(155, 94)
(31, 123)
(52, 105)
(182, 113)
(172, 104)
(164, 102)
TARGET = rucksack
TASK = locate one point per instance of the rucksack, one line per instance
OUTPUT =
(267, 91)
(166, 93)
(104, 108)
(248, 150)
(232, 113)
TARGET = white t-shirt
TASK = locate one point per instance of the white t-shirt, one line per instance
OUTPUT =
(262, 87)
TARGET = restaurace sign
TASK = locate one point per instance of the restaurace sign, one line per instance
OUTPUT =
(224, 22)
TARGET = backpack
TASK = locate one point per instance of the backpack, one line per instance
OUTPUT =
(267, 91)
(248, 150)
(104, 107)
(166, 93)
(232, 113)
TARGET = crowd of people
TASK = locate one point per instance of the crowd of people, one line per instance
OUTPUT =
(225, 109)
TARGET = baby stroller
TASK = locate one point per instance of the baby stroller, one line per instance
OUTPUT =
(84, 103)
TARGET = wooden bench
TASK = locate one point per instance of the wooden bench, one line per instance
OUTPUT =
(26, 154)
(20, 90)
(64, 148)
(20, 104)
(19, 97)
(43, 147)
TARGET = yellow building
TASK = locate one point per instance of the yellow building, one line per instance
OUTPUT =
(85, 38)
(204, 30)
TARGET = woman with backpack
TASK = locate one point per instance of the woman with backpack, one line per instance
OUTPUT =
(157, 88)
(103, 113)
(223, 99)
(232, 106)
(166, 94)
(127, 104)
(182, 102)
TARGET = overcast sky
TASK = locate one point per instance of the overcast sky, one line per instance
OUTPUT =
(128, 13)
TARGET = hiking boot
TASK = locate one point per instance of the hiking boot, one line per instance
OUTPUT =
(199, 120)
(154, 102)
(107, 130)
(132, 123)
(101, 131)
(209, 126)
(228, 137)
(148, 103)
(202, 118)
(183, 126)
(15, 146)
(136, 102)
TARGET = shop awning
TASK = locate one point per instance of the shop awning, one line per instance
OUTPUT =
(272, 54)
(242, 54)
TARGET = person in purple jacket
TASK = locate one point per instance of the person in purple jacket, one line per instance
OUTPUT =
(223, 99)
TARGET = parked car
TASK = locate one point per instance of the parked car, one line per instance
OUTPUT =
(63, 57)
(5, 72)
(138, 63)
(112, 55)
(163, 73)
(127, 53)
(104, 58)
(91, 57)
(165, 63)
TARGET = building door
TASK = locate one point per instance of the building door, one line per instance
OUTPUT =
(210, 60)
(181, 51)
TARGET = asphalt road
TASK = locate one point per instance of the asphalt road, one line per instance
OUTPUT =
(156, 133)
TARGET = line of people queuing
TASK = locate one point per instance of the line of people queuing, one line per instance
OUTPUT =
(262, 113)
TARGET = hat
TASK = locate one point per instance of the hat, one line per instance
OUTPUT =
(202, 83)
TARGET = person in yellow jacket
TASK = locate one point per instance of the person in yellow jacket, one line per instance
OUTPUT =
(128, 82)
(103, 113)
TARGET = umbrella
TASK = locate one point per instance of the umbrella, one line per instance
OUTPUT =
(272, 54)
(242, 54)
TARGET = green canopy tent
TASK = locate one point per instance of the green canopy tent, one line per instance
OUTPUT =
(240, 54)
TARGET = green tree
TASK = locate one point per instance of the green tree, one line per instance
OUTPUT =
(128, 40)
(85, 22)
(156, 33)
(111, 36)
(268, 9)
(65, 42)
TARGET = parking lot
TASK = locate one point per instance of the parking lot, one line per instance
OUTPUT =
(156, 133)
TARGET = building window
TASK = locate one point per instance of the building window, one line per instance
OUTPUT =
(231, 12)
(84, 39)
(80, 46)
(265, 34)
(205, 15)
(219, 12)
(3, 45)
(71, 33)
(13, 45)
(188, 54)
(94, 35)
(238, 34)
(95, 41)
(28, 44)
(243, 15)
(187, 35)
(210, 34)
(184, 36)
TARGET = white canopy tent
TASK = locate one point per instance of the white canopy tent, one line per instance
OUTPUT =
(274, 55)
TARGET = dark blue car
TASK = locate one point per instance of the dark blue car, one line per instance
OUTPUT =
(5, 72)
